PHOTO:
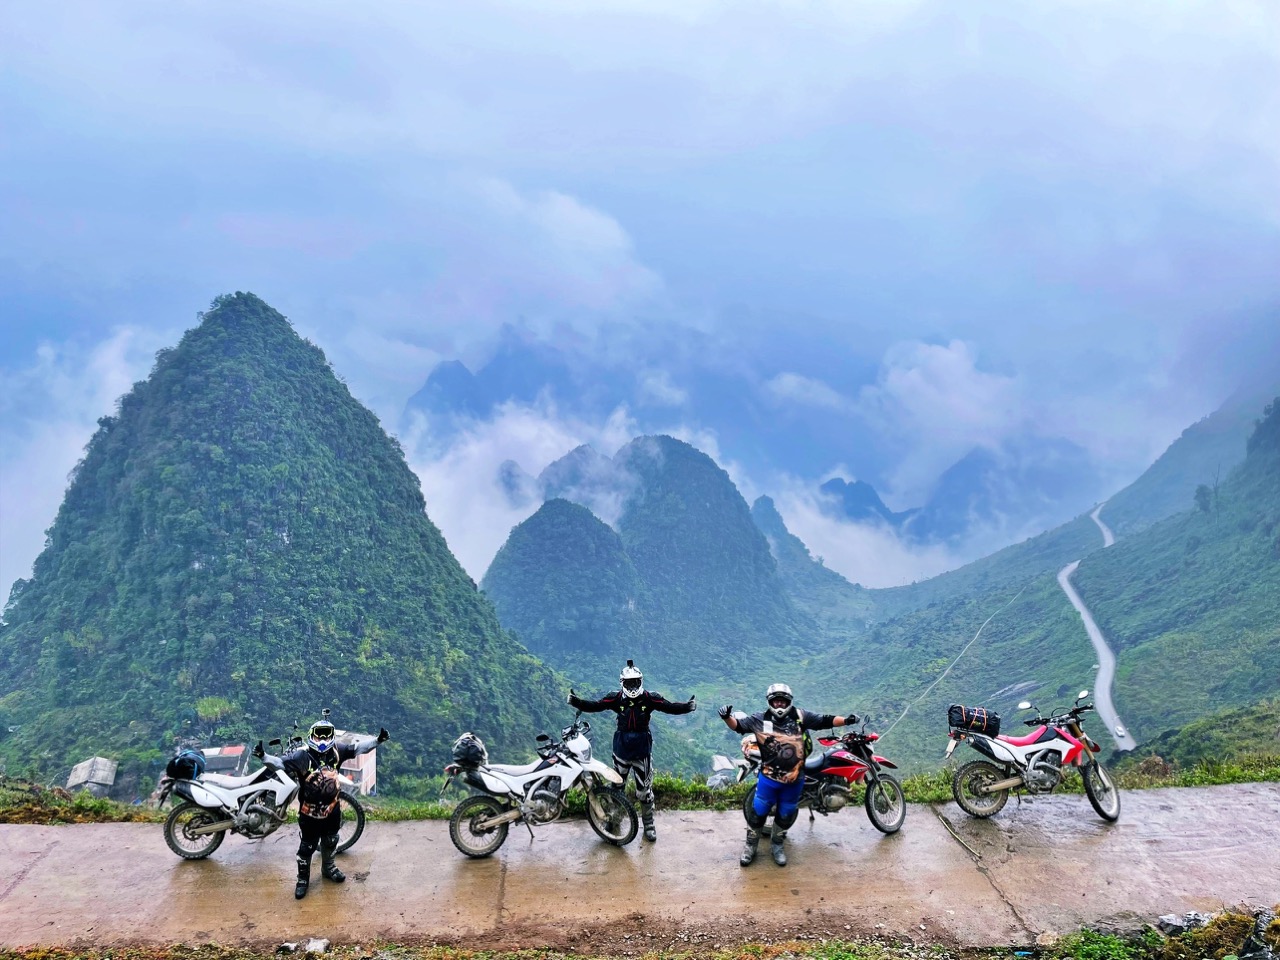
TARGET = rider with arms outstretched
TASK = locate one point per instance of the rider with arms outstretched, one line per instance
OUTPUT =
(779, 731)
(632, 742)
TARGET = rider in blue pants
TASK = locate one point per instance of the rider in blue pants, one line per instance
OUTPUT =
(779, 731)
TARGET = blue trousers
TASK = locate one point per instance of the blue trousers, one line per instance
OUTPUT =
(785, 795)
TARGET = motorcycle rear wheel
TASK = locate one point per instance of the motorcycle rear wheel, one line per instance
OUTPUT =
(1101, 790)
(967, 781)
(184, 818)
(353, 818)
(465, 833)
(886, 804)
(612, 816)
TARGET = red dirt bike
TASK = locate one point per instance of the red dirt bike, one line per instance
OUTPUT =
(1034, 763)
(832, 770)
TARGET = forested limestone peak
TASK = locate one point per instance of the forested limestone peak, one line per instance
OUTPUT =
(241, 546)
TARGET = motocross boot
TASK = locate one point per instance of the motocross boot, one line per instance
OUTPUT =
(304, 876)
(776, 847)
(646, 814)
(749, 849)
(328, 854)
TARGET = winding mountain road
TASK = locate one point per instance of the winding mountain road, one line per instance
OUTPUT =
(1119, 734)
(1042, 867)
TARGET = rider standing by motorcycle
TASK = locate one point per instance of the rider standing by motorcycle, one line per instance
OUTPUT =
(315, 768)
(779, 731)
(632, 742)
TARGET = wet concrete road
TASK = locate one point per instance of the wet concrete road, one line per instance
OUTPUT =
(1047, 866)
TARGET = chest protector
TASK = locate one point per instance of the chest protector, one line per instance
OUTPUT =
(319, 793)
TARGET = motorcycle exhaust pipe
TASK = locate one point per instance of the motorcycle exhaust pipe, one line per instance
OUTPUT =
(509, 817)
(209, 828)
(1001, 785)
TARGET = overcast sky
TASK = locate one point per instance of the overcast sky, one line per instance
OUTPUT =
(1065, 211)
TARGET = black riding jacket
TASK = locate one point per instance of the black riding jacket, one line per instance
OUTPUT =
(317, 775)
(632, 740)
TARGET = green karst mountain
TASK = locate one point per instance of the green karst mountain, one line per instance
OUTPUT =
(706, 565)
(564, 584)
(686, 584)
(242, 545)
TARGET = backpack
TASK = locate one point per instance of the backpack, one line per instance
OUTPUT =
(469, 751)
(187, 765)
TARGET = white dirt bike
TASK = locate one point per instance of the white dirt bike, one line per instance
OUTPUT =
(536, 793)
(1034, 763)
(254, 806)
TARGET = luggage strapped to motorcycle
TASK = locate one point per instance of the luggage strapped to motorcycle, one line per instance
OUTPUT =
(187, 765)
(977, 719)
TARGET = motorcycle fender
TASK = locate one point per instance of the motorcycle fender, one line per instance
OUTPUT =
(488, 783)
(610, 774)
(885, 763)
(197, 794)
(992, 749)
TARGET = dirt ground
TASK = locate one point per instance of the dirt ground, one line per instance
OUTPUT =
(1035, 871)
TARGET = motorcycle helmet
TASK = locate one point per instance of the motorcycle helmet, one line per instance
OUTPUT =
(320, 736)
(632, 680)
(779, 697)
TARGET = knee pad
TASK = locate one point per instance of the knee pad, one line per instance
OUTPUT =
(785, 821)
(330, 843)
(305, 849)
(754, 820)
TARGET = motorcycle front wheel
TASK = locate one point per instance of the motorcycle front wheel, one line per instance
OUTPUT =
(886, 805)
(967, 785)
(352, 820)
(1101, 790)
(184, 818)
(464, 829)
(612, 815)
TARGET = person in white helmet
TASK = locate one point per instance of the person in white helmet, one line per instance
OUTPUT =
(632, 741)
(779, 731)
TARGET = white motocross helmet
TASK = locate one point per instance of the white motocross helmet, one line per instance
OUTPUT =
(632, 680)
(779, 699)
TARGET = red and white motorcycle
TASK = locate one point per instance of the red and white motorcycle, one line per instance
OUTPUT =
(1034, 763)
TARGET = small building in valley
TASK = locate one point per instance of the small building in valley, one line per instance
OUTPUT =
(97, 775)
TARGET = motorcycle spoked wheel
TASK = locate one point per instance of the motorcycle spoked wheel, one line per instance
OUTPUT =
(612, 816)
(353, 817)
(966, 784)
(470, 838)
(1101, 791)
(184, 818)
(886, 804)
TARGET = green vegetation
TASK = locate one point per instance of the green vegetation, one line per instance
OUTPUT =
(564, 584)
(241, 546)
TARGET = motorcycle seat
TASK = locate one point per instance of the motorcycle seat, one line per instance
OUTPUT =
(815, 760)
(222, 780)
(1026, 741)
(514, 769)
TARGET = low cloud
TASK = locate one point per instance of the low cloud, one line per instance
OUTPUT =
(940, 405)
(657, 388)
(49, 411)
(462, 476)
(795, 388)
(870, 554)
